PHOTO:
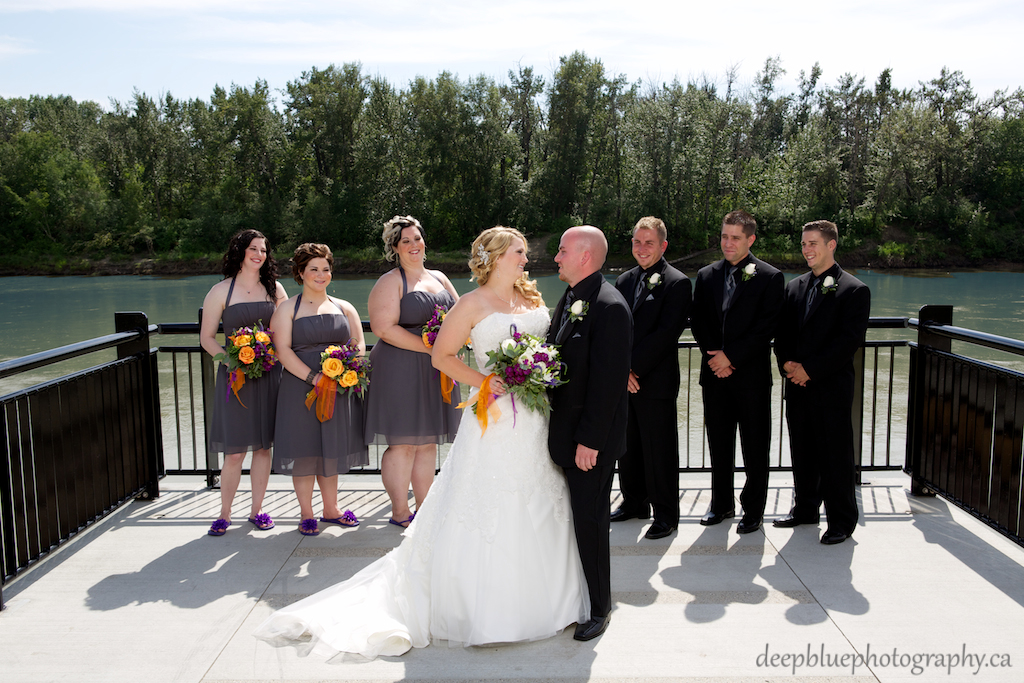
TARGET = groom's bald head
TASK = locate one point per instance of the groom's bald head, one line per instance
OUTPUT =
(581, 253)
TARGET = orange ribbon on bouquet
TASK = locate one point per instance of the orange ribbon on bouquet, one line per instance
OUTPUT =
(236, 380)
(485, 404)
(324, 393)
(447, 386)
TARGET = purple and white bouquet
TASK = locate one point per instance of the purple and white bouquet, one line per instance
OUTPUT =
(529, 366)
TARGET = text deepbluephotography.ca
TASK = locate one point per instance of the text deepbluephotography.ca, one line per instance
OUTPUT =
(918, 662)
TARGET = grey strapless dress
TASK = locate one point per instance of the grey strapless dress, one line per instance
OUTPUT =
(304, 446)
(234, 429)
(404, 404)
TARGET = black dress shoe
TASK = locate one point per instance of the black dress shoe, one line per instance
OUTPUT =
(592, 629)
(748, 525)
(790, 521)
(624, 513)
(713, 518)
(833, 537)
(659, 530)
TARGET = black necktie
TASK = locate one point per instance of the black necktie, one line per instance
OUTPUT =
(569, 299)
(639, 290)
(811, 295)
(730, 288)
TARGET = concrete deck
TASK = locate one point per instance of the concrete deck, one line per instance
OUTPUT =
(147, 595)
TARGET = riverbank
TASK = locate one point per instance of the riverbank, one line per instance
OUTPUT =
(889, 255)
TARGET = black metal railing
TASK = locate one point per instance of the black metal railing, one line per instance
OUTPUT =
(876, 402)
(966, 423)
(77, 447)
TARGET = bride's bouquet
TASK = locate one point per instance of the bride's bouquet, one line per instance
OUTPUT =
(344, 371)
(529, 367)
(248, 353)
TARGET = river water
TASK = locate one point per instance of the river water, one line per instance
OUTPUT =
(40, 313)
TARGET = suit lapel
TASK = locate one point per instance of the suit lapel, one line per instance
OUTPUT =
(556, 317)
(585, 291)
(717, 283)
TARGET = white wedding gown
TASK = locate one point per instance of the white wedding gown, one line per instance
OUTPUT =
(490, 558)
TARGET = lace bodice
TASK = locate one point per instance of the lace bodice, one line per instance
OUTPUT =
(495, 328)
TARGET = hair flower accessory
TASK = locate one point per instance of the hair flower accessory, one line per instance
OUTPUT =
(483, 254)
(654, 280)
(749, 271)
(578, 310)
(829, 284)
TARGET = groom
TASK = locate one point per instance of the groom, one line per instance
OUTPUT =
(593, 325)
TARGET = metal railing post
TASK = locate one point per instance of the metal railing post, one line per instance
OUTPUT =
(926, 339)
(154, 447)
(857, 410)
(208, 378)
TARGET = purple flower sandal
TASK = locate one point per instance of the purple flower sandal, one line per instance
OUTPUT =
(404, 523)
(219, 528)
(309, 527)
(348, 519)
(262, 521)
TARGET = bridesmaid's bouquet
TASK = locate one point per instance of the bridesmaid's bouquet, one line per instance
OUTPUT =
(345, 371)
(433, 326)
(529, 367)
(248, 353)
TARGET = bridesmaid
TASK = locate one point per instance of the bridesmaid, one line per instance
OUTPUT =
(306, 449)
(249, 293)
(404, 407)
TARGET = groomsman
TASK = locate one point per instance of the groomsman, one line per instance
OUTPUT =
(659, 296)
(824, 321)
(736, 305)
(587, 434)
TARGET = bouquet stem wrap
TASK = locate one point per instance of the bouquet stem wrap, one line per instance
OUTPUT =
(324, 394)
(447, 386)
(236, 380)
(484, 404)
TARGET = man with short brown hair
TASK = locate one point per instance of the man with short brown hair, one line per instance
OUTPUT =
(736, 305)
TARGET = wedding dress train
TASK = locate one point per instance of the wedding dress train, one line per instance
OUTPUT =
(490, 558)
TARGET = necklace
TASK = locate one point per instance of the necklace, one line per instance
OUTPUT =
(515, 299)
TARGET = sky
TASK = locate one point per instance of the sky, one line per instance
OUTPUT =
(104, 50)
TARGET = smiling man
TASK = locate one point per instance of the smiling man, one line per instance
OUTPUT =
(736, 305)
(659, 296)
(824, 321)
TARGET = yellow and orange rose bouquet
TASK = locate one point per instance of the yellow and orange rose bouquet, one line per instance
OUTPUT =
(344, 371)
(248, 353)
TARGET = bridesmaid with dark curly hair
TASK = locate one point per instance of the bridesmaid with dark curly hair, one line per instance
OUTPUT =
(248, 294)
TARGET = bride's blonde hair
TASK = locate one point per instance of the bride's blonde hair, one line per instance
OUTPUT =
(488, 247)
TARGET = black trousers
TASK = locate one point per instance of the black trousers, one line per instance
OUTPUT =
(730, 403)
(821, 446)
(590, 494)
(649, 472)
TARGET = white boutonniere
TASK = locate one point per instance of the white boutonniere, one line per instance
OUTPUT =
(749, 271)
(829, 284)
(654, 280)
(578, 310)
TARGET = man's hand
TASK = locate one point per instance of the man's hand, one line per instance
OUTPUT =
(719, 364)
(795, 373)
(633, 384)
(586, 458)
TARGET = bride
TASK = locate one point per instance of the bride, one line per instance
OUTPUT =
(491, 556)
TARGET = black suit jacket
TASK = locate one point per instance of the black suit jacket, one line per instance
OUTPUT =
(745, 334)
(591, 408)
(826, 342)
(658, 320)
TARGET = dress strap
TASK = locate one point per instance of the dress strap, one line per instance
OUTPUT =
(231, 288)
(298, 301)
(337, 305)
(405, 283)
